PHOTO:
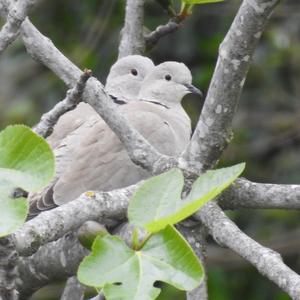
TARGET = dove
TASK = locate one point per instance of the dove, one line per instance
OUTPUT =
(96, 158)
(122, 84)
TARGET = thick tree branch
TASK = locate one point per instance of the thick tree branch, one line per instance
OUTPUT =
(132, 38)
(214, 128)
(266, 261)
(51, 225)
(55, 261)
(45, 127)
(16, 15)
(246, 194)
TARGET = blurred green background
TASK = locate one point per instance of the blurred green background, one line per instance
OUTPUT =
(267, 128)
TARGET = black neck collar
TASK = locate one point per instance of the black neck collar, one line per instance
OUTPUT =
(117, 100)
(156, 103)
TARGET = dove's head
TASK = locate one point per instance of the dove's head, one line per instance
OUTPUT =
(168, 83)
(126, 76)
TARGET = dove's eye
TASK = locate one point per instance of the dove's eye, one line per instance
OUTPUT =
(134, 72)
(168, 77)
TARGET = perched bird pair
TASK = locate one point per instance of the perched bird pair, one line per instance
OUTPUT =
(89, 156)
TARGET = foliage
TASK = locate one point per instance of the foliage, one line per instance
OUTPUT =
(127, 274)
(160, 197)
(26, 162)
(163, 254)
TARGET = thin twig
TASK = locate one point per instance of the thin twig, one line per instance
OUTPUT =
(162, 30)
(45, 127)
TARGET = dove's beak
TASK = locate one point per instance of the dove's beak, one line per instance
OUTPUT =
(193, 90)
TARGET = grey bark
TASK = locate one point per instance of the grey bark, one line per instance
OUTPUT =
(161, 31)
(17, 12)
(73, 290)
(246, 194)
(132, 38)
(55, 261)
(268, 262)
(51, 225)
(8, 272)
(214, 128)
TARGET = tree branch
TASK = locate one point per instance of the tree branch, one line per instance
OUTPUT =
(214, 128)
(16, 15)
(8, 272)
(246, 194)
(42, 49)
(266, 261)
(196, 236)
(51, 225)
(45, 127)
(132, 38)
(161, 31)
(55, 261)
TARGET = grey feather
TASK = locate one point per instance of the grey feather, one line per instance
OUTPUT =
(93, 158)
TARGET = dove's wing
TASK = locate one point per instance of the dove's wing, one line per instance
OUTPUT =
(69, 122)
(63, 153)
(100, 161)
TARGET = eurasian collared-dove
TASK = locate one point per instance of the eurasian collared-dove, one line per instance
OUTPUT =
(97, 160)
(122, 84)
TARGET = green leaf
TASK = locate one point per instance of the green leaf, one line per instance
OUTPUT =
(158, 201)
(27, 162)
(156, 198)
(129, 275)
(26, 159)
(200, 1)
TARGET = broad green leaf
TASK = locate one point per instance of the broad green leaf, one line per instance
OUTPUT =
(27, 162)
(158, 202)
(156, 198)
(200, 1)
(26, 159)
(129, 275)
